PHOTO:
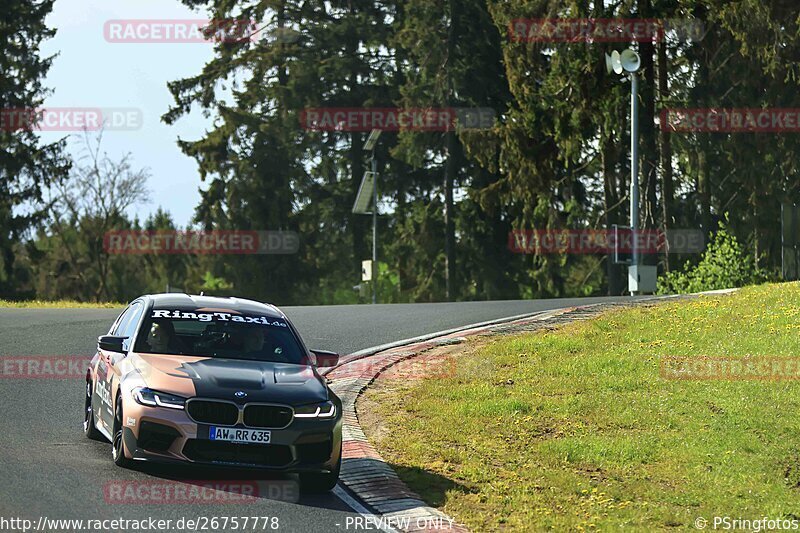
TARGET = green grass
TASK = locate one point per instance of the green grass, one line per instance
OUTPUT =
(60, 304)
(588, 435)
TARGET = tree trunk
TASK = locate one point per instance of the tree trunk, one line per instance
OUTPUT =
(356, 155)
(358, 222)
(649, 152)
(703, 185)
(703, 139)
(611, 201)
(449, 232)
(451, 169)
(666, 148)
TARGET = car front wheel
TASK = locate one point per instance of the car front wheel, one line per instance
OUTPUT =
(117, 446)
(88, 415)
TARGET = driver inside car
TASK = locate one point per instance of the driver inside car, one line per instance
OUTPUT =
(253, 343)
(161, 338)
(253, 340)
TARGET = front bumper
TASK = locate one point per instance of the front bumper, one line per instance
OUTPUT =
(165, 435)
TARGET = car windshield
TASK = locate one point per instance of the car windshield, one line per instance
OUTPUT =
(221, 335)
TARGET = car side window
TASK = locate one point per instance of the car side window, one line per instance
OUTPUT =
(127, 328)
(121, 320)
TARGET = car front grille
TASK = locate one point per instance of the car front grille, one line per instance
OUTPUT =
(227, 414)
(209, 451)
(211, 412)
(267, 416)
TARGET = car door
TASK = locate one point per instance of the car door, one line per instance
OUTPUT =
(106, 369)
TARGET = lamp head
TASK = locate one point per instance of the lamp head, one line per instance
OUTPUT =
(613, 63)
(630, 60)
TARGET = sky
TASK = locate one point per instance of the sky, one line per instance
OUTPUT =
(91, 72)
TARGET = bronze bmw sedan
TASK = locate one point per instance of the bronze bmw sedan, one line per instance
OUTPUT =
(219, 381)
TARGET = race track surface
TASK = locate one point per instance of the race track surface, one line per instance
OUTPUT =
(50, 470)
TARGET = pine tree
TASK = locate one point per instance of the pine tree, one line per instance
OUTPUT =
(26, 165)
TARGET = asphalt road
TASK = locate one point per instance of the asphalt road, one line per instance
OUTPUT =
(50, 470)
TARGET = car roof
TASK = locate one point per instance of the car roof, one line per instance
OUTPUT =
(182, 301)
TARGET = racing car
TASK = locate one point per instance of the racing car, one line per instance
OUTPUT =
(217, 381)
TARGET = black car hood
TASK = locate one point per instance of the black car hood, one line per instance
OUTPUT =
(260, 381)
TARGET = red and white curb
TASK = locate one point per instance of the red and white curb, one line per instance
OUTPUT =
(364, 472)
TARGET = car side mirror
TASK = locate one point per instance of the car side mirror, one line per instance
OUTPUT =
(111, 343)
(326, 358)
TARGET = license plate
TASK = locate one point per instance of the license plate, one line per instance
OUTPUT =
(250, 436)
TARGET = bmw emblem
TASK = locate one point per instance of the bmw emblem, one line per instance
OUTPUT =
(240, 394)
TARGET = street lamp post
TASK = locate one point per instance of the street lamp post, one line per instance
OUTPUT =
(374, 226)
(634, 165)
(641, 278)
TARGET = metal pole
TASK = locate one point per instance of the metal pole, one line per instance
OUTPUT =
(374, 229)
(634, 166)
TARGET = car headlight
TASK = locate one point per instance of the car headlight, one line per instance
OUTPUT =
(154, 398)
(316, 410)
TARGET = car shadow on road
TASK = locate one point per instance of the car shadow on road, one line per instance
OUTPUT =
(218, 484)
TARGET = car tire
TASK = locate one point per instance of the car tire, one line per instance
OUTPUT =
(316, 482)
(89, 428)
(117, 442)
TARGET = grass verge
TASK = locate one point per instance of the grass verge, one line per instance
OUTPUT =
(575, 428)
(60, 304)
